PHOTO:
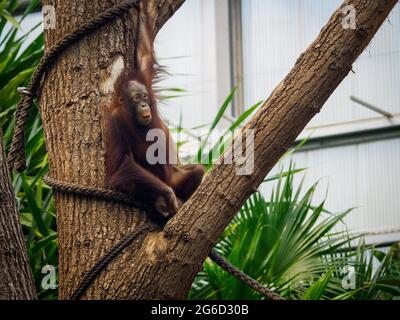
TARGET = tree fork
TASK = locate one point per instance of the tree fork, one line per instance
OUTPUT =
(163, 265)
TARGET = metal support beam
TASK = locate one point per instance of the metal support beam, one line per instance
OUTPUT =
(236, 51)
(371, 107)
(351, 138)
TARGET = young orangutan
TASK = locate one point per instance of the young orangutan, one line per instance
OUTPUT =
(130, 117)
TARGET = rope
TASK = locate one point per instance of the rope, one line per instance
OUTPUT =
(109, 195)
(101, 264)
(98, 193)
(241, 276)
(16, 155)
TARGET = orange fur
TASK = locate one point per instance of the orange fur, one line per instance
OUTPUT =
(127, 168)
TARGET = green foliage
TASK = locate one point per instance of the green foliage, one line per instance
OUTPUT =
(208, 152)
(377, 274)
(36, 205)
(292, 247)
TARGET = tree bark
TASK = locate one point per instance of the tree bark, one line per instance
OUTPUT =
(16, 279)
(163, 265)
(72, 111)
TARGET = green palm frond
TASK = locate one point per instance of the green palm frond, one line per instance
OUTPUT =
(291, 246)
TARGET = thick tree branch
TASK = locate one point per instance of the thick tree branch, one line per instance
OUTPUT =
(164, 9)
(317, 73)
(16, 280)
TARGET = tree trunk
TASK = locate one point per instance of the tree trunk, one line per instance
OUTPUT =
(72, 107)
(16, 280)
(163, 265)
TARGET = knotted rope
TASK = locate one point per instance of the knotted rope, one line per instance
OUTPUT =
(16, 158)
